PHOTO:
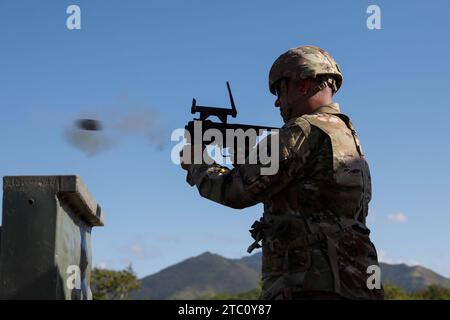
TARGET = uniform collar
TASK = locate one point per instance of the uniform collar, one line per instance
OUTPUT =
(328, 108)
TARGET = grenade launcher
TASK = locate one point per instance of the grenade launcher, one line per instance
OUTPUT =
(228, 130)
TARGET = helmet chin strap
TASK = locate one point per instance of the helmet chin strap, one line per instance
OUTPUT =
(316, 89)
(311, 92)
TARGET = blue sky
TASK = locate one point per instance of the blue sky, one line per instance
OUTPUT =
(145, 61)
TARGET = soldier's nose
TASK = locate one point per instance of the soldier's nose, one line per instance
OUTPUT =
(277, 103)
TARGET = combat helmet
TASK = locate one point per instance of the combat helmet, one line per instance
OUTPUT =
(306, 62)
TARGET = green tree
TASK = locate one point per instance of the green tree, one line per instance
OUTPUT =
(392, 292)
(113, 285)
(433, 292)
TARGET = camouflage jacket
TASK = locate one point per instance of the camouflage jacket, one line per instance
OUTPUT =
(313, 231)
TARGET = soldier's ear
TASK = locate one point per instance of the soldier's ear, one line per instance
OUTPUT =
(301, 86)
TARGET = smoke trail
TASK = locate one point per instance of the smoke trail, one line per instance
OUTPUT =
(96, 131)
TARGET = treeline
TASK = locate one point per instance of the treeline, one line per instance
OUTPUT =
(433, 292)
(391, 292)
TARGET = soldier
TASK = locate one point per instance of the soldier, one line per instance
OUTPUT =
(315, 242)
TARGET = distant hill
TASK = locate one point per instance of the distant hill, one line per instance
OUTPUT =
(204, 275)
(410, 278)
(210, 274)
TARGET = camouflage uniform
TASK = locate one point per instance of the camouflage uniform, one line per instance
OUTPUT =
(315, 242)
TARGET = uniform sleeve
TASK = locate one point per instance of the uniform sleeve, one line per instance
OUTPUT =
(248, 184)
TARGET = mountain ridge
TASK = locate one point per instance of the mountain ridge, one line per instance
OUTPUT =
(209, 274)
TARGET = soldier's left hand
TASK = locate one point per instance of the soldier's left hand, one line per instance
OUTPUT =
(187, 156)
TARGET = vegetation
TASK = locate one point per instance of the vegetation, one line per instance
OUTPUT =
(113, 285)
(391, 292)
(433, 293)
(249, 295)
